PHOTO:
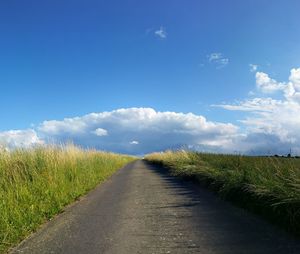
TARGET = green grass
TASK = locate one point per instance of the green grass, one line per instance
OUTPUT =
(36, 184)
(266, 185)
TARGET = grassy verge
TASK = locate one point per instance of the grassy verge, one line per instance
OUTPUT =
(36, 184)
(268, 186)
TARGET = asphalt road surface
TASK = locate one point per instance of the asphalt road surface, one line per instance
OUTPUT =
(141, 209)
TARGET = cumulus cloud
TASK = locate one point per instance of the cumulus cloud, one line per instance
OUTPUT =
(161, 33)
(129, 130)
(272, 124)
(266, 84)
(155, 131)
(292, 89)
(19, 138)
(289, 89)
(218, 60)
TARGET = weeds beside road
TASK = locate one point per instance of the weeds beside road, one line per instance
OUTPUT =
(266, 185)
(36, 184)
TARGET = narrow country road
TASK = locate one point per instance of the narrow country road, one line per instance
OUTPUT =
(142, 209)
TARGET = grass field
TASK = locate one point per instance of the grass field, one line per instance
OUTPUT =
(266, 185)
(36, 184)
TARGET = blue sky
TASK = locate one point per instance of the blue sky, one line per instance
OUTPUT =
(63, 59)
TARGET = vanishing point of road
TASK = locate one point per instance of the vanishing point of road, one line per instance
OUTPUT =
(142, 209)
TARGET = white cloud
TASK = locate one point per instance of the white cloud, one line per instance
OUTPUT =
(266, 84)
(214, 56)
(131, 130)
(253, 67)
(68, 125)
(290, 89)
(19, 138)
(100, 132)
(153, 130)
(272, 124)
(295, 77)
(218, 60)
(161, 33)
(252, 105)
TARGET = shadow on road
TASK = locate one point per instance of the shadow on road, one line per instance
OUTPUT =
(221, 227)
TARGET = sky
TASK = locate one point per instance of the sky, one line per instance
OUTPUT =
(135, 76)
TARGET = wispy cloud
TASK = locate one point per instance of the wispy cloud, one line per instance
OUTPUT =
(218, 59)
(253, 67)
(161, 33)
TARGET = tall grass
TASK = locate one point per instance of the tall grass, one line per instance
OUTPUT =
(266, 185)
(36, 184)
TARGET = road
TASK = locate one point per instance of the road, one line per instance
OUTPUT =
(141, 209)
